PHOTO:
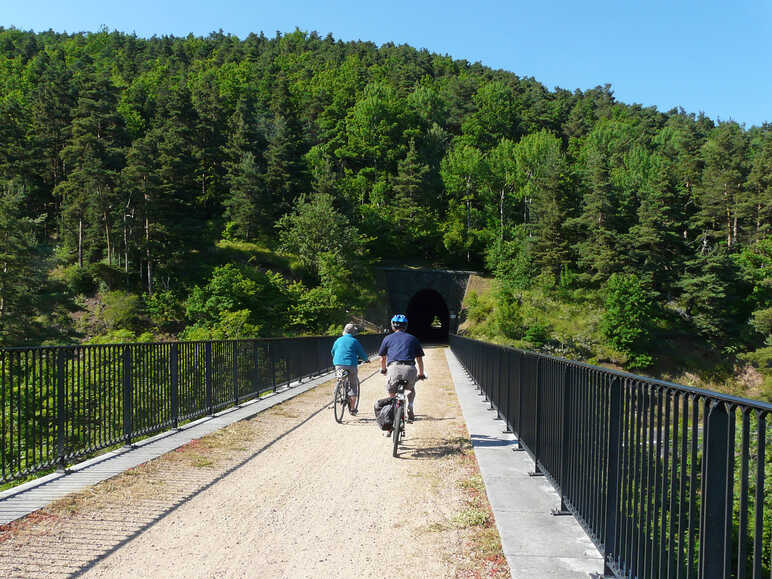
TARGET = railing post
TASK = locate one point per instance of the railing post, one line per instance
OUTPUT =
(255, 368)
(498, 383)
(175, 382)
(612, 482)
(61, 422)
(235, 373)
(565, 441)
(508, 385)
(273, 366)
(208, 378)
(716, 483)
(495, 381)
(537, 413)
(520, 360)
(485, 371)
(128, 398)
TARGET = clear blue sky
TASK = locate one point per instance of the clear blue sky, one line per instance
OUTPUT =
(711, 56)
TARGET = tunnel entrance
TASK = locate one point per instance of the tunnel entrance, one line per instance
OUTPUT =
(428, 317)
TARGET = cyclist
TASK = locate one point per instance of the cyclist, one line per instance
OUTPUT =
(400, 352)
(346, 353)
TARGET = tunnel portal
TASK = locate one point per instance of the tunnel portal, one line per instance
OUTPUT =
(428, 316)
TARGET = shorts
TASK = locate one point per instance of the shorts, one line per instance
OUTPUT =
(353, 379)
(396, 372)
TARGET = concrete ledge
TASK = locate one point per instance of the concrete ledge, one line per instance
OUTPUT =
(535, 542)
(28, 497)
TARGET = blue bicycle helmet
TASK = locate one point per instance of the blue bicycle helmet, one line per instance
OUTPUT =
(399, 320)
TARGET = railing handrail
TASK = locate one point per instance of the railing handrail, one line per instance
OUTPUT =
(667, 480)
(62, 402)
(749, 402)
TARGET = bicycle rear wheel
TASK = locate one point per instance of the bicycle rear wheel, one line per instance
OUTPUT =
(339, 401)
(396, 433)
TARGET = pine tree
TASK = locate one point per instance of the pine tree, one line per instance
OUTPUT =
(722, 187)
(94, 155)
(20, 274)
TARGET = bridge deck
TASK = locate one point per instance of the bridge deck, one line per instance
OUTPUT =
(535, 543)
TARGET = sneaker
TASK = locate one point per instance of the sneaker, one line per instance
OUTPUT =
(410, 416)
(387, 433)
(353, 412)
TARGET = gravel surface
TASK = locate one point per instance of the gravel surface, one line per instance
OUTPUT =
(289, 493)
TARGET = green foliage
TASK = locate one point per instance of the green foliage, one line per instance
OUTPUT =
(136, 156)
(20, 277)
(122, 336)
(315, 229)
(121, 310)
(762, 321)
(715, 297)
(79, 280)
(164, 309)
(628, 318)
(231, 325)
(509, 320)
(231, 289)
(512, 261)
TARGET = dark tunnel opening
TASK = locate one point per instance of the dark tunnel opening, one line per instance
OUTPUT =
(428, 317)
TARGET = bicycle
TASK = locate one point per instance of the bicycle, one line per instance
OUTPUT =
(400, 411)
(340, 394)
(400, 406)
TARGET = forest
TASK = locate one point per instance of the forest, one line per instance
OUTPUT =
(217, 187)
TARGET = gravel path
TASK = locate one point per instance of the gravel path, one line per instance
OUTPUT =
(289, 493)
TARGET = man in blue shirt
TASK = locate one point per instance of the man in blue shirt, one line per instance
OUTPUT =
(346, 353)
(400, 352)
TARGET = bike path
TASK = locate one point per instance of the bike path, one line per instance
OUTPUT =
(536, 543)
(26, 498)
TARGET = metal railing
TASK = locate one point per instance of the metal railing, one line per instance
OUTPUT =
(667, 480)
(64, 403)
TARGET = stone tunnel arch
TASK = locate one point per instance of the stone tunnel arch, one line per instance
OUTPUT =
(428, 316)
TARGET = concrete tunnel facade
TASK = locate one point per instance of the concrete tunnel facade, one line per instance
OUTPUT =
(431, 300)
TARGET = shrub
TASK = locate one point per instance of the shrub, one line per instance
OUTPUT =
(109, 276)
(121, 336)
(509, 318)
(79, 280)
(627, 321)
(121, 310)
(164, 308)
(537, 333)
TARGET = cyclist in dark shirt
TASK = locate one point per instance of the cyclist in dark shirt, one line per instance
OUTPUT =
(400, 352)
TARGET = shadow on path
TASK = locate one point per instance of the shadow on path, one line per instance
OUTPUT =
(73, 554)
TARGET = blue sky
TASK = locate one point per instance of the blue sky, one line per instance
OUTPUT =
(710, 56)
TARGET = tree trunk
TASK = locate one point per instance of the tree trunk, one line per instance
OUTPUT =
(107, 238)
(148, 256)
(501, 216)
(80, 242)
(125, 246)
(728, 219)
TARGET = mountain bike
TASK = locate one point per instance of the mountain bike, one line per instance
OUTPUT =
(340, 394)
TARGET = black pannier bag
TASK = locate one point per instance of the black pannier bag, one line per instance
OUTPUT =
(384, 413)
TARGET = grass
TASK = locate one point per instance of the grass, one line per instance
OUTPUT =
(571, 319)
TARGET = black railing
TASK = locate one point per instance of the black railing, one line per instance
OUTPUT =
(63, 403)
(668, 481)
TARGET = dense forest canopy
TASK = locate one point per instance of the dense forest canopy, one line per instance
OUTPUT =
(127, 163)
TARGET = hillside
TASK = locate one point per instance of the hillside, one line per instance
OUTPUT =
(219, 187)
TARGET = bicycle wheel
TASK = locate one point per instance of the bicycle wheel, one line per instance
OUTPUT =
(339, 400)
(397, 428)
